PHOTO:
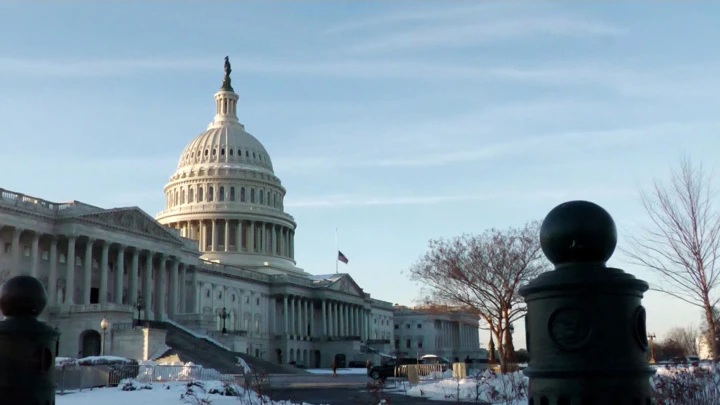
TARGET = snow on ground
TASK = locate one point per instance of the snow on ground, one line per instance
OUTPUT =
(172, 393)
(354, 371)
(671, 385)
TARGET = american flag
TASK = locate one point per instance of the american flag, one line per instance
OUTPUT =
(342, 258)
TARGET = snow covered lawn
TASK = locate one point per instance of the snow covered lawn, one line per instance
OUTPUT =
(354, 371)
(671, 386)
(172, 393)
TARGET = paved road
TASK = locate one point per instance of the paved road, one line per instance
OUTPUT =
(348, 396)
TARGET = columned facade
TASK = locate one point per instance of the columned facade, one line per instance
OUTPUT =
(223, 244)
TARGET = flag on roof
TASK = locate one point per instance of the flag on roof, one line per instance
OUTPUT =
(342, 258)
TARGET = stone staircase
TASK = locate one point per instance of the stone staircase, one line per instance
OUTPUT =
(187, 347)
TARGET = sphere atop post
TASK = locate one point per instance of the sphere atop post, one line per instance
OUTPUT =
(22, 296)
(578, 232)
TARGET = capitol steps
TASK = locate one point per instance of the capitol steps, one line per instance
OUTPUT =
(188, 347)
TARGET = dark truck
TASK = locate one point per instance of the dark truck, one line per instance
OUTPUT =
(387, 369)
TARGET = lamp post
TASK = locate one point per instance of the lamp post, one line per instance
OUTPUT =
(224, 315)
(103, 326)
(139, 306)
(651, 341)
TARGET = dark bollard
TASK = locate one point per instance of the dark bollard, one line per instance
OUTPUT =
(585, 322)
(27, 346)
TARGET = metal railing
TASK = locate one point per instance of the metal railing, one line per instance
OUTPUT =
(424, 371)
(75, 378)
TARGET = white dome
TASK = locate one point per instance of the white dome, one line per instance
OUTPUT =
(225, 195)
(227, 145)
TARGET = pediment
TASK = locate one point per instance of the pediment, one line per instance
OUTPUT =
(347, 285)
(133, 220)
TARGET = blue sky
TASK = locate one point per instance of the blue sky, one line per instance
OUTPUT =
(397, 122)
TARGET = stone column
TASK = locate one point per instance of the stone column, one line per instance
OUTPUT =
(324, 320)
(35, 255)
(197, 293)
(161, 288)
(333, 319)
(293, 328)
(286, 315)
(298, 317)
(214, 237)
(182, 289)
(227, 235)
(87, 271)
(311, 313)
(16, 251)
(104, 272)
(292, 244)
(273, 235)
(352, 320)
(70, 271)
(146, 284)
(119, 274)
(52, 278)
(251, 237)
(238, 236)
(174, 270)
(133, 277)
(306, 319)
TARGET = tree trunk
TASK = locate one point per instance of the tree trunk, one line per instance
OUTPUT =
(501, 351)
(712, 332)
(509, 348)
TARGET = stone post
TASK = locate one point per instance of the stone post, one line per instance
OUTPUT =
(27, 346)
(585, 323)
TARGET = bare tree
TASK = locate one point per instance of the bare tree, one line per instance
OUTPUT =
(685, 337)
(683, 240)
(482, 274)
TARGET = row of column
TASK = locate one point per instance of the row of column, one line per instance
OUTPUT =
(177, 271)
(234, 235)
(468, 337)
(337, 319)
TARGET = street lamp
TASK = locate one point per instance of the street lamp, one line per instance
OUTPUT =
(103, 326)
(651, 340)
(224, 315)
(139, 306)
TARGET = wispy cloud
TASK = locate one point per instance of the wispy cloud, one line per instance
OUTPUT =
(563, 142)
(633, 82)
(369, 200)
(422, 15)
(483, 32)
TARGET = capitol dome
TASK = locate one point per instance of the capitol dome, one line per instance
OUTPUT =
(224, 194)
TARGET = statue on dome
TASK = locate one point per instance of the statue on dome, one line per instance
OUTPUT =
(226, 80)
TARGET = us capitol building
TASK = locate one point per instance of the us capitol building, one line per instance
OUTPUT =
(221, 252)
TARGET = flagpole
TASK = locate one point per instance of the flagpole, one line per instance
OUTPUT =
(336, 251)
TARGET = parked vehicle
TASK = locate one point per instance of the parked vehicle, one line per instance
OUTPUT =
(387, 369)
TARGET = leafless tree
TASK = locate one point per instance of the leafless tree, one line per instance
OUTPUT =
(482, 274)
(685, 337)
(682, 242)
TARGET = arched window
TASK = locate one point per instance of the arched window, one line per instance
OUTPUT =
(232, 193)
(221, 196)
(268, 198)
(200, 194)
(262, 196)
(191, 195)
(182, 196)
(274, 200)
(252, 195)
(210, 193)
(242, 194)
